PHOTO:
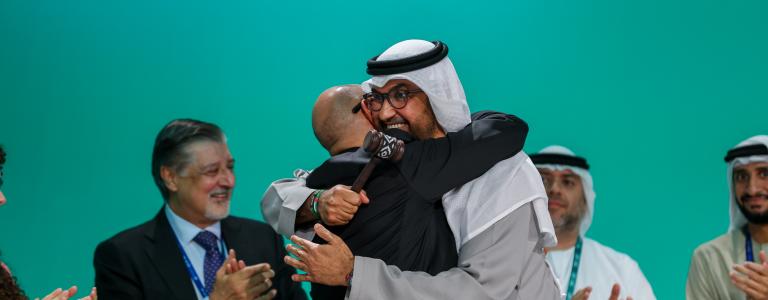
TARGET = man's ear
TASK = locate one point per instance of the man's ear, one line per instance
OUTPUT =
(367, 113)
(169, 178)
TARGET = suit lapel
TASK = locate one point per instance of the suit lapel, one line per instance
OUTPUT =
(245, 245)
(167, 258)
(230, 232)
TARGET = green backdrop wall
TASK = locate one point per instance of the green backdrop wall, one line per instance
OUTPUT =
(652, 92)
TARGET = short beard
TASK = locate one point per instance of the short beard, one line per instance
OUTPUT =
(571, 221)
(212, 212)
(568, 222)
(754, 218)
(425, 133)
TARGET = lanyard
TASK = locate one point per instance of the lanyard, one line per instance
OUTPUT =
(574, 269)
(748, 245)
(191, 269)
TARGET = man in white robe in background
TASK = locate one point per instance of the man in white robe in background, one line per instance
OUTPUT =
(586, 269)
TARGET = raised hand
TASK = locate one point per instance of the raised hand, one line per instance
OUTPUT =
(339, 205)
(752, 278)
(582, 294)
(62, 294)
(328, 264)
(234, 280)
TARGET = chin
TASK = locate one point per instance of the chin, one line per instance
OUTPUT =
(216, 211)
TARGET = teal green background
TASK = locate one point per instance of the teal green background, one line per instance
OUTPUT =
(652, 92)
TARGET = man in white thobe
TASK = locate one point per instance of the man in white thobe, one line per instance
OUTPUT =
(585, 268)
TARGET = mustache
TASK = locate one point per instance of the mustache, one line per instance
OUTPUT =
(746, 197)
(394, 120)
(220, 191)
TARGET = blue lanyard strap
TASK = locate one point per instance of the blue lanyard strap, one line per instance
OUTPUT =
(191, 269)
(748, 244)
(574, 269)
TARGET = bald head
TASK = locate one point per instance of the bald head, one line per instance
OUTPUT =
(336, 127)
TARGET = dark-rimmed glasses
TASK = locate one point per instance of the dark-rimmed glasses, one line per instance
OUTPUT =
(397, 98)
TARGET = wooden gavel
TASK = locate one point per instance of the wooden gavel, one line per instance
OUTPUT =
(383, 147)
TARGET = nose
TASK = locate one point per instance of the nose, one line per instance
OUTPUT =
(387, 111)
(2, 198)
(228, 180)
(553, 188)
(753, 185)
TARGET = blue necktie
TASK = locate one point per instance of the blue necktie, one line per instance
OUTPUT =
(213, 257)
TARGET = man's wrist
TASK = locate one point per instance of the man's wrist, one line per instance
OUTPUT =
(348, 278)
(304, 216)
(315, 204)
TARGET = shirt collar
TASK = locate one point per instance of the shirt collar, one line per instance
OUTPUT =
(186, 231)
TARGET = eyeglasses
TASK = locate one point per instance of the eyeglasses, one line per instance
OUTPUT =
(397, 98)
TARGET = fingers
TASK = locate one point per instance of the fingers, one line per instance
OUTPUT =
(763, 258)
(326, 235)
(750, 287)
(261, 287)
(53, 294)
(296, 252)
(615, 292)
(232, 254)
(364, 197)
(334, 216)
(263, 277)
(91, 296)
(268, 296)
(301, 277)
(758, 269)
(71, 291)
(234, 266)
(295, 263)
(746, 272)
(350, 210)
(225, 268)
(250, 271)
(582, 294)
(339, 205)
(305, 244)
(344, 194)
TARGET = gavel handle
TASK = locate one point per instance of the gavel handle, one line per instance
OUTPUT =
(364, 174)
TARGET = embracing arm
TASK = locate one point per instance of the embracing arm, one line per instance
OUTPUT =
(436, 166)
(284, 204)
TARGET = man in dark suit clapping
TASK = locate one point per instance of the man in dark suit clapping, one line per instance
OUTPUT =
(180, 252)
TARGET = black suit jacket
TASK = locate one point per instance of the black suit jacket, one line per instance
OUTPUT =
(145, 262)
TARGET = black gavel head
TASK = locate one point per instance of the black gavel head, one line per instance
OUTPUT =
(384, 146)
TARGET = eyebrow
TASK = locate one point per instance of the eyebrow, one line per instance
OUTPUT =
(214, 164)
(574, 176)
